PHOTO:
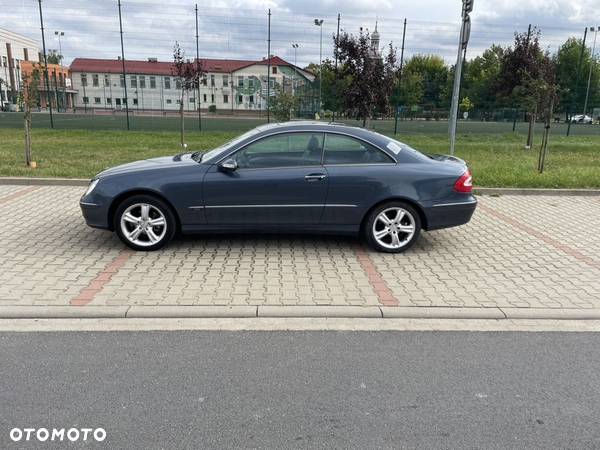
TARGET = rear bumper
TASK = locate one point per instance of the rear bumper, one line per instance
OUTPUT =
(95, 215)
(451, 214)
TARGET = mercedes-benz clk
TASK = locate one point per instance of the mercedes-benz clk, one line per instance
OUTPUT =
(295, 177)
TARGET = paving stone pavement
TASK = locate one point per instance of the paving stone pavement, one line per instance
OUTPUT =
(519, 251)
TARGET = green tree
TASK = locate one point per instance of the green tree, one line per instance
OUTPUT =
(29, 98)
(479, 76)
(188, 78)
(54, 57)
(566, 60)
(368, 79)
(433, 73)
(283, 106)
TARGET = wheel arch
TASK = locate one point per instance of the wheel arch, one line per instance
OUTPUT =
(125, 195)
(408, 201)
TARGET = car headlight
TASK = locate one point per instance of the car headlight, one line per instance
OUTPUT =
(91, 187)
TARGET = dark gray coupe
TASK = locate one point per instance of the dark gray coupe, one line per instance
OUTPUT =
(292, 177)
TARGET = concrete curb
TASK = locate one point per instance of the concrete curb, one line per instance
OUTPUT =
(26, 181)
(536, 191)
(296, 311)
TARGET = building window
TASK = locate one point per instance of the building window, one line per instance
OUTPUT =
(152, 82)
(97, 100)
(167, 82)
(225, 80)
(192, 100)
(204, 99)
(118, 101)
(250, 83)
(212, 80)
(142, 82)
(109, 100)
(251, 99)
(204, 80)
(135, 101)
(106, 80)
(240, 99)
(4, 61)
(84, 79)
(86, 100)
(212, 98)
(177, 84)
(133, 81)
(122, 81)
(169, 101)
(95, 80)
(225, 98)
(124, 101)
(274, 70)
(179, 102)
(241, 81)
(25, 54)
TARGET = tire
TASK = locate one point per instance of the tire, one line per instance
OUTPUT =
(151, 218)
(400, 236)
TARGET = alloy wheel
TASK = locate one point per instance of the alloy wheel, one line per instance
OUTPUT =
(393, 228)
(143, 224)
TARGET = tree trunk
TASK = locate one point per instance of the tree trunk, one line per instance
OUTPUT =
(544, 146)
(182, 120)
(530, 131)
(27, 135)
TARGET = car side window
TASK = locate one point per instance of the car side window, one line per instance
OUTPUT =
(346, 150)
(282, 150)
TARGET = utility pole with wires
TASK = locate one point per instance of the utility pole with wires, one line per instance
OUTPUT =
(199, 102)
(574, 96)
(269, 68)
(48, 100)
(465, 31)
(587, 91)
(335, 83)
(123, 65)
(400, 78)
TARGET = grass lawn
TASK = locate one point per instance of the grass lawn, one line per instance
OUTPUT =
(496, 159)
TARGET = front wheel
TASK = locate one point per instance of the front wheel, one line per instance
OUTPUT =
(144, 223)
(393, 227)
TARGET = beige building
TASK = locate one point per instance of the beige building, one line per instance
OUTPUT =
(14, 49)
(228, 85)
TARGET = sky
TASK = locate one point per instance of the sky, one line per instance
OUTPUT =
(237, 29)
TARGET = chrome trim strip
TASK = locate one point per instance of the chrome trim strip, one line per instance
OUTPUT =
(196, 207)
(88, 204)
(279, 206)
(455, 204)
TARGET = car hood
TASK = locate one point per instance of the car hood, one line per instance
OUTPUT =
(147, 164)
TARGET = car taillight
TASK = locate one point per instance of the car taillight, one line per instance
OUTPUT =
(464, 183)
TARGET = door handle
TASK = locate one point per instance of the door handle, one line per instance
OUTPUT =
(315, 177)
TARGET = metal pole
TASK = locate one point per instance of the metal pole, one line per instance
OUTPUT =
(456, 92)
(123, 64)
(56, 90)
(574, 97)
(321, 68)
(400, 77)
(587, 91)
(198, 104)
(335, 83)
(295, 47)
(269, 68)
(46, 66)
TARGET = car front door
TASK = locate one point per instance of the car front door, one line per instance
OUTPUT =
(276, 180)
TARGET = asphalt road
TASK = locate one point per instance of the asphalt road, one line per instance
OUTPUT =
(364, 390)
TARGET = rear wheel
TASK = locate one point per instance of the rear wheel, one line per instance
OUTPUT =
(144, 222)
(393, 227)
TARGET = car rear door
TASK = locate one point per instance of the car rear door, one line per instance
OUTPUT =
(279, 180)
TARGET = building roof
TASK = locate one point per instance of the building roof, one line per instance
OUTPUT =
(165, 68)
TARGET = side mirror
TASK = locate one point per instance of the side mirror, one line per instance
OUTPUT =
(229, 165)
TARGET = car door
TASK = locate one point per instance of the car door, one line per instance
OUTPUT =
(356, 172)
(279, 180)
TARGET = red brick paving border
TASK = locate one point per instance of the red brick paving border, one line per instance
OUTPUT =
(542, 236)
(383, 292)
(88, 293)
(20, 193)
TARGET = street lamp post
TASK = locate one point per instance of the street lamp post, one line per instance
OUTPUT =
(295, 47)
(587, 91)
(319, 23)
(60, 53)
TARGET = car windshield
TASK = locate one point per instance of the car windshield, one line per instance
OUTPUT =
(198, 156)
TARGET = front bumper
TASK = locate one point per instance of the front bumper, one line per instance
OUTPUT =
(95, 215)
(450, 214)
